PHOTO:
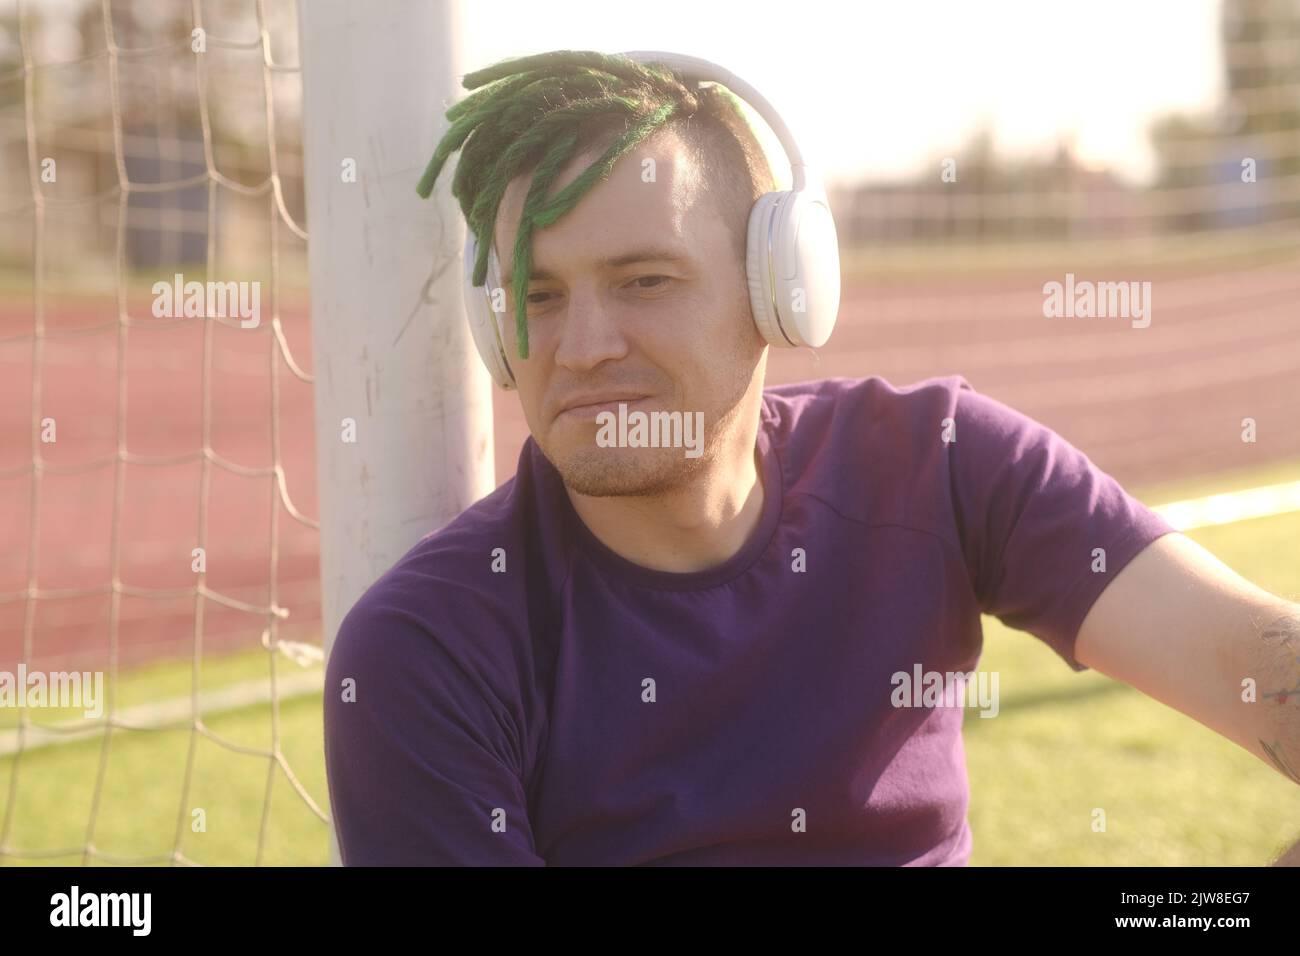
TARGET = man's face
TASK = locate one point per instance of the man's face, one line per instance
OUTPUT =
(637, 294)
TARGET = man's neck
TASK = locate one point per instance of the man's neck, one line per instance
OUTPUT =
(690, 530)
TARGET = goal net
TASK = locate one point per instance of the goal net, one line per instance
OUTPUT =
(159, 576)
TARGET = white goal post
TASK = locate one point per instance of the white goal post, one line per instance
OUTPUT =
(392, 350)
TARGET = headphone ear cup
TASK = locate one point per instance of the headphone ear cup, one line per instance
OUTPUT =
(792, 262)
(756, 270)
(483, 323)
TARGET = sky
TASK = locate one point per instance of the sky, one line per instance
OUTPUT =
(877, 90)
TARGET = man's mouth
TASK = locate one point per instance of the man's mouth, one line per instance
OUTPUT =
(589, 409)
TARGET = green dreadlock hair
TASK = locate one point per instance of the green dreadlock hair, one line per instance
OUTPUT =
(531, 114)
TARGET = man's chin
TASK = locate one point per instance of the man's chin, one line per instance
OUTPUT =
(611, 473)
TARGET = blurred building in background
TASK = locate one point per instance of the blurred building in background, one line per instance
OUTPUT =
(1199, 158)
(159, 101)
(993, 198)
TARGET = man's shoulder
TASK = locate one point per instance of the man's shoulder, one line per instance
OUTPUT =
(439, 647)
(866, 446)
(459, 588)
(864, 388)
(850, 405)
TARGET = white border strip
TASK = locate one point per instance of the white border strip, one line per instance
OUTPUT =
(167, 714)
(1232, 506)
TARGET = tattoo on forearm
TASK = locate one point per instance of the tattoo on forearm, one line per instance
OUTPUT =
(1279, 659)
(1275, 754)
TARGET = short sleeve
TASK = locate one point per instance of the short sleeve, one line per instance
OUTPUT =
(1042, 528)
(423, 763)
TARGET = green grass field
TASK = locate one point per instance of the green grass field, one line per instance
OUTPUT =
(1174, 793)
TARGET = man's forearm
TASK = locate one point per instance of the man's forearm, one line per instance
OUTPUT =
(1276, 668)
(1290, 858)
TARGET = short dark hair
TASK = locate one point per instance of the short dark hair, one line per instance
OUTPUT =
(733, 167)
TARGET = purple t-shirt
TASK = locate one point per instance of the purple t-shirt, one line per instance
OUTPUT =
(569, 707)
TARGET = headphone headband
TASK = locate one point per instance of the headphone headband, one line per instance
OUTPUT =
(701, 70)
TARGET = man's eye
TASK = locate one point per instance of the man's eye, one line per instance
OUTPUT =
(659, 282)
(640, 283)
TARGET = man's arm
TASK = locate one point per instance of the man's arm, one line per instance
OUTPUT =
(1184, 628)
(1289, 858)
(422, 750)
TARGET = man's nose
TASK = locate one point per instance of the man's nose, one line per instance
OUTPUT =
(590, 333)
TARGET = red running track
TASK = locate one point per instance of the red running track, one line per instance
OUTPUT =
(1145, 404)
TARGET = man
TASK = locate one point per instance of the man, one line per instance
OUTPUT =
(633, 655)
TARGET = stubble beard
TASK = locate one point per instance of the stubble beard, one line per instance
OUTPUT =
(652, 473)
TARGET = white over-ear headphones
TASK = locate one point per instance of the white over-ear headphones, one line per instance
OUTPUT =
(792, 252)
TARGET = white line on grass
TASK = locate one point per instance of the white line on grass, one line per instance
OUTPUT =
(1226, 508)
(167, 714)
